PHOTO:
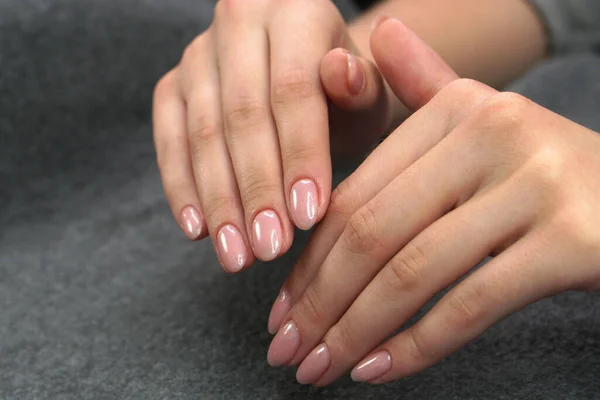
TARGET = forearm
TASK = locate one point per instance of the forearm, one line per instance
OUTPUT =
(491, 41)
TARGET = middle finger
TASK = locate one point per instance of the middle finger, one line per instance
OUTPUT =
(249, 127)
(410, 141)
(372, 236)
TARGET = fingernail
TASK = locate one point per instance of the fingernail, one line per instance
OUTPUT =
(378, 21)
(191, 222)
(266, 230)
(280, 308)
(356, 75)
(284, 345)
(314, 365)
(232, 249)
(305, 201)
(373, 367)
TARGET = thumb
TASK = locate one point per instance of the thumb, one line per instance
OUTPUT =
(414, 71)
(350, 81)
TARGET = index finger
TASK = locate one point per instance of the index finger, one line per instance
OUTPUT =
(299, 103)
(415, 136)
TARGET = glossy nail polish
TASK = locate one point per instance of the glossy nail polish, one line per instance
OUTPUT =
(281, 307)
(267, 235)
(314, 365)
(191, 222)
(232, 250)
(284, 345)
(373, 367)
(304, 200)
(356, 75)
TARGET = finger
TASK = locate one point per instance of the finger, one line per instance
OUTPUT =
(432, 261)
(172, 152)
(377, 231)
(414, 137)
(408, 143)
(503, 286)
(213, 171)
(414, 71)
(350, 81)
(243, 59)
(300, 106)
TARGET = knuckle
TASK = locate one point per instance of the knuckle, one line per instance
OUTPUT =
(418, 352)
(194, 49)
(292, 85)
(300, 154)
(202, 130)
(321, 10)
(342, 339)
(165, 86)
(227, 7)
(362, 233)
(219, 206)
(466, 307)
(255, 190)
(245, 113)
(310, 308)
(503, 114)
(549, 168)
(324, 11)
(404, 271)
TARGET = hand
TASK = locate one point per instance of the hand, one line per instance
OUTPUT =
(472, 173)
(241, 125)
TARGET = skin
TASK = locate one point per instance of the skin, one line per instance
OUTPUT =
(472, 173)
(233, 141)
(230, 126)
(231, 132)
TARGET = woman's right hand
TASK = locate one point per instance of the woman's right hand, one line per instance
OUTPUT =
(242, 125)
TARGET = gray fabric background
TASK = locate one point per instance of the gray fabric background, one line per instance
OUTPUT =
(101, 297)
(572, 25)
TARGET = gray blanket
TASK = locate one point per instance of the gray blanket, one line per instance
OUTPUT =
(101, 296)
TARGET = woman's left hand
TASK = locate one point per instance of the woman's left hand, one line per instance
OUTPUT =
(472, 173)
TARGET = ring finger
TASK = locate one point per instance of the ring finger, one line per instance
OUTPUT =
(212, 167)
(250, 130)
(438, 256)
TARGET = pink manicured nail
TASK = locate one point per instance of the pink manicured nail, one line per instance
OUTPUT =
(267, 233)
(314, 365)
(284, 345)
(305, 201)
(280, 308)
(191, 222)
(373, 367)
(356, 75)
(232, 249)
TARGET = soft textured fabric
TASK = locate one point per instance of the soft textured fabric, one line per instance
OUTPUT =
(573, 26)
(102, 297)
